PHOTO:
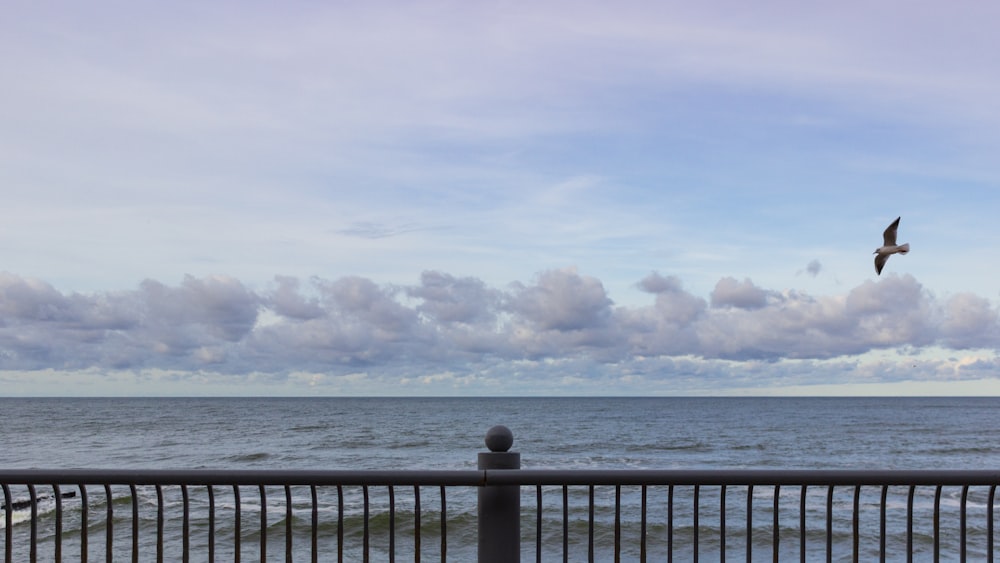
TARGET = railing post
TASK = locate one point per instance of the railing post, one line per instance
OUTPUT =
(499, 506)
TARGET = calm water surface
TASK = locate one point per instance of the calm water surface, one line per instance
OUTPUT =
(447, 433)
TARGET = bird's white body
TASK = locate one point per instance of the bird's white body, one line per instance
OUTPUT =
(889, 247)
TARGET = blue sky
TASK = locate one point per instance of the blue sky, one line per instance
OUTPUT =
(474, 198)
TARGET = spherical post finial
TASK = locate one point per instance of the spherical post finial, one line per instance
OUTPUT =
(499, 509)
(499, 438)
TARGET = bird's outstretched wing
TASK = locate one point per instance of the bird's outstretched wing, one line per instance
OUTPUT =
(880, 260)
(889, 236)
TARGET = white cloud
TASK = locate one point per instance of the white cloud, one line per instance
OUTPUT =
(743, 295)
(460, 330)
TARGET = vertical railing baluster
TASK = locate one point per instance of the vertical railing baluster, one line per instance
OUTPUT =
(110, 518)
(159, 524)
(802, 524)
(288, 523)
(856, 524)
(962, 510)
(185, 525)
(340, 523)
(33, 526)
(670, 523)
(989, 524)
(392, 525)
(829, 524)
(538, 524)
(882, 524)
(263, 523)
(590, 529)
(937, 524)
(444, 525)
(8, 525)
(135, 523)
(237, 521)
(697, 515)
(642, 529)
(59, 523)
(565, 519)
(618, 523)
(315, 524)
(211, 524)
(775, 528)
(84, 523)
(416, 523)
(722, 524)
(365, 539)
(749, 523)
(909, 524)
(565, 523)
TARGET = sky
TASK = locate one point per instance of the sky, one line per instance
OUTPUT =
(485, 198)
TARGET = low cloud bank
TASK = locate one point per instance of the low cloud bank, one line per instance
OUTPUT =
(446, 323)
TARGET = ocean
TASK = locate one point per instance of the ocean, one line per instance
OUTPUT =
(447, 433)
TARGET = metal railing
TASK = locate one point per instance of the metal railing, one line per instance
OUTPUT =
(684, 515)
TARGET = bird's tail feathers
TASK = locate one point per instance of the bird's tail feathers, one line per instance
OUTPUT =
(904, 248)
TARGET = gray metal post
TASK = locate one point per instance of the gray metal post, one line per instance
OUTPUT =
(499, 507)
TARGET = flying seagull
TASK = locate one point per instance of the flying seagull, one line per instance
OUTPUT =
(889, 247)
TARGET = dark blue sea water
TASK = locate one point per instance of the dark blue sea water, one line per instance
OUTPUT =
(447, 433)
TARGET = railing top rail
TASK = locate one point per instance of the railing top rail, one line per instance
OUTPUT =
(247, 477)
(474, 478)
(809, 477)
